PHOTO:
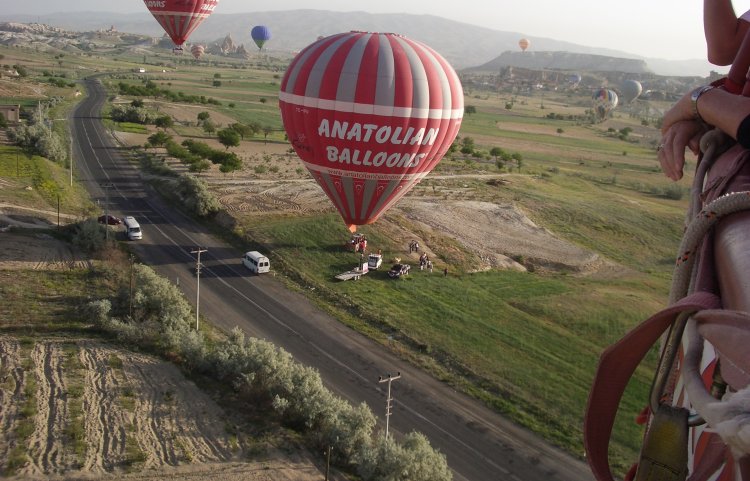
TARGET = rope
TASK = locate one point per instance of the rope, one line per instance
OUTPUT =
(696, 231)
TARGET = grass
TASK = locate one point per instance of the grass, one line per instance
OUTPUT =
(525, 344)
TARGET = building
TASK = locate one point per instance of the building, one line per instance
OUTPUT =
(12, 113)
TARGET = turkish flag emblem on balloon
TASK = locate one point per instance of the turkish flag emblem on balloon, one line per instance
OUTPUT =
(180, 17)
(370, 115)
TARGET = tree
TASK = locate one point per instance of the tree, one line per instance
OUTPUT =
(230, 163)
(201, 149)
(267, 129)
(164, 122)
(560, 131)
(199, 166)
(216, 83)
(228, 138)
(519, 160)
(203, 116)
(245, 130)
(137, 103)
(467, 145)
(209, 127)
(470, 109)
(496, 152)
(159, 139)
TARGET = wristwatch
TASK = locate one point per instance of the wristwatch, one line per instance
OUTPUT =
(694, 98)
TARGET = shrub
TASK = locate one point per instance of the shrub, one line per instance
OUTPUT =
(89, 236)
(97, 312)
(196, 196)
(673, 192)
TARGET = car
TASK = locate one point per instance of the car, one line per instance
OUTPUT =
(109, 220)
(399, 270)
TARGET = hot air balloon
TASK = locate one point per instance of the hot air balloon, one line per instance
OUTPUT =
(180, 17)
(524, 44)
(260, 34)
(574, 78)
(370, 115)
(197, 51)
(631, 89)
(604, 101)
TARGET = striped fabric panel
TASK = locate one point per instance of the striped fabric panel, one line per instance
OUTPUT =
(179, 19)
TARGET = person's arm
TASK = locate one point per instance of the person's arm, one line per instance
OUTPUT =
(681, 128)
(724, 31)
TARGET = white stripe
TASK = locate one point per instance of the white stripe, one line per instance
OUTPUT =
(340, 172)
(181, 14)
(337, 106)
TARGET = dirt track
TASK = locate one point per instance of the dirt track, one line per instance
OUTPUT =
(134, 413)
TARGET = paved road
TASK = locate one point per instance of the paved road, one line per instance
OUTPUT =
(479, 444)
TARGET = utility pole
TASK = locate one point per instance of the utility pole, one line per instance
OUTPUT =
(389, 399)
(132, 261)
(328, 461)
(198, 266)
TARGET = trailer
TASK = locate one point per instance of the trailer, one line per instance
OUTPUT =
(355, 273)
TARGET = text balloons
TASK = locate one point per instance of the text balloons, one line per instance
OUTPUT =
(180, 17)
(370, 115)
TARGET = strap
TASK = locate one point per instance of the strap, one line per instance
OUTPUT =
(737, 72)
(616, 366)
(664, 456)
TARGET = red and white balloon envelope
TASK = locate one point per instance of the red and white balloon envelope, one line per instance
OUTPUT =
(180, 17)
(370, 115)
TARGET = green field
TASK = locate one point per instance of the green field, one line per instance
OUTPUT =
(524, 343)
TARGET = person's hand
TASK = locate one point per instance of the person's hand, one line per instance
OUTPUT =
(676, 138)
(681, 110)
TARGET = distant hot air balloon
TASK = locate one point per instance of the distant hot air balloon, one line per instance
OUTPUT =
(604, 101)
(524, 44)
(197, 51)
(260, 34)
(574, 78)
(631, 89)
(180, 17)
(370, 115)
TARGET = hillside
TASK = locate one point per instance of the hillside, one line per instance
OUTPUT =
(464, 45)
(577, 62)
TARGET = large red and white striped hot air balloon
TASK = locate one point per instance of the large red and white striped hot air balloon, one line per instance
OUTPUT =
(180, 17)
(370, 115)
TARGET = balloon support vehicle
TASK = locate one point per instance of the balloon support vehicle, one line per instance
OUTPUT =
(374, 261)
(399, 270)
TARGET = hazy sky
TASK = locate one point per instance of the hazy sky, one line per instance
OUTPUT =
(670, 29)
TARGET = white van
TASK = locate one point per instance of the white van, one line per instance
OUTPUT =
(132, 228)
(256, 262)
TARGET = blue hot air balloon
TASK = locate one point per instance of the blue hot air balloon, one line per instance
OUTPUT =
(260, 34)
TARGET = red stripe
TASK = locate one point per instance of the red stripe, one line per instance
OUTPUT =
(330, 81)
(368, 72)
(403, 80)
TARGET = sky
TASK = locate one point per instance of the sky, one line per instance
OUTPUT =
(667, 29)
